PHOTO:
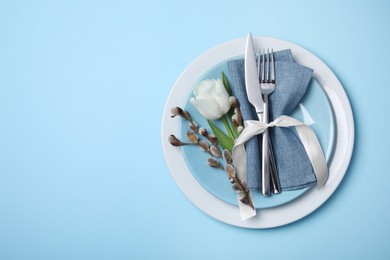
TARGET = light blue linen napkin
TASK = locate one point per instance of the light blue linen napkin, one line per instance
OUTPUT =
(293, 165)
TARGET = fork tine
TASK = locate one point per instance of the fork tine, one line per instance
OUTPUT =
(259, 64)
(272, 66)
(267, 67)
(263, 65)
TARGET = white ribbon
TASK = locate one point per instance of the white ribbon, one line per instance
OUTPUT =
(305, 133)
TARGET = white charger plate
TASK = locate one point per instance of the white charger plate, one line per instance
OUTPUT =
(285, 213)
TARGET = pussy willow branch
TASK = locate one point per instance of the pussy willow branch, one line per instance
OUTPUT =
(213, 150)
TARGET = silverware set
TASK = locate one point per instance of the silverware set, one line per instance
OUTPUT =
(260, 83)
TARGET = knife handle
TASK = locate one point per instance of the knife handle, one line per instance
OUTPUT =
(265, 169)
(265, 166)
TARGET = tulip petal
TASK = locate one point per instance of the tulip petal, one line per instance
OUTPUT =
(211, 99)
(206, 108)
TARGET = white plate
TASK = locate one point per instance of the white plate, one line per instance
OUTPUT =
(267, 217)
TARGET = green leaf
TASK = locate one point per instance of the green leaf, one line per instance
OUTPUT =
(224, 141)
(226, 84)
(231, 110)
(227, 126)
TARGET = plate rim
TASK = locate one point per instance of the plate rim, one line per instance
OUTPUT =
(286, 213)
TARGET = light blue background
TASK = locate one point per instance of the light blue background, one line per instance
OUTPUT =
(82, 90)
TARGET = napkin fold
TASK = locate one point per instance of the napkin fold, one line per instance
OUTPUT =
(293, 165)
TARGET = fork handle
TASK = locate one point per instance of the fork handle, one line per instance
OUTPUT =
(265, 167)
(275, 183)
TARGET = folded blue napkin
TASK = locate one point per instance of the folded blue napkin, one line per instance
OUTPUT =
(293, 165)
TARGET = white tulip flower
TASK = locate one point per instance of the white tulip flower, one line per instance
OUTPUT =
(211, 99)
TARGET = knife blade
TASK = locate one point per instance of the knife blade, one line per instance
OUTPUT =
(252, 83)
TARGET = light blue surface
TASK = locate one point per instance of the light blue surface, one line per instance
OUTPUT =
(82, 90)
(216, 181)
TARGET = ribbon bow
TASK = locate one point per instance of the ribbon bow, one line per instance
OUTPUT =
(305, 133)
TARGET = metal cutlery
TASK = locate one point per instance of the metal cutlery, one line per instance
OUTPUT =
(255, 97)
(266, 67)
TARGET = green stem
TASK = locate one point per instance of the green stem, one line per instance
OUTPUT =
(227, 126)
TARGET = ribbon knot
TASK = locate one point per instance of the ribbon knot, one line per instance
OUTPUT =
(306, 134)
(272, 124)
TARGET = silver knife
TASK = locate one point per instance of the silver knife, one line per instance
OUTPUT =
(252, 85)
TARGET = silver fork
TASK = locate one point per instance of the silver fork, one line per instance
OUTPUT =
(267, 86)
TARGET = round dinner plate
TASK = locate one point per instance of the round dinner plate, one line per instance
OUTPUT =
(285, 213)
(314, 109)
